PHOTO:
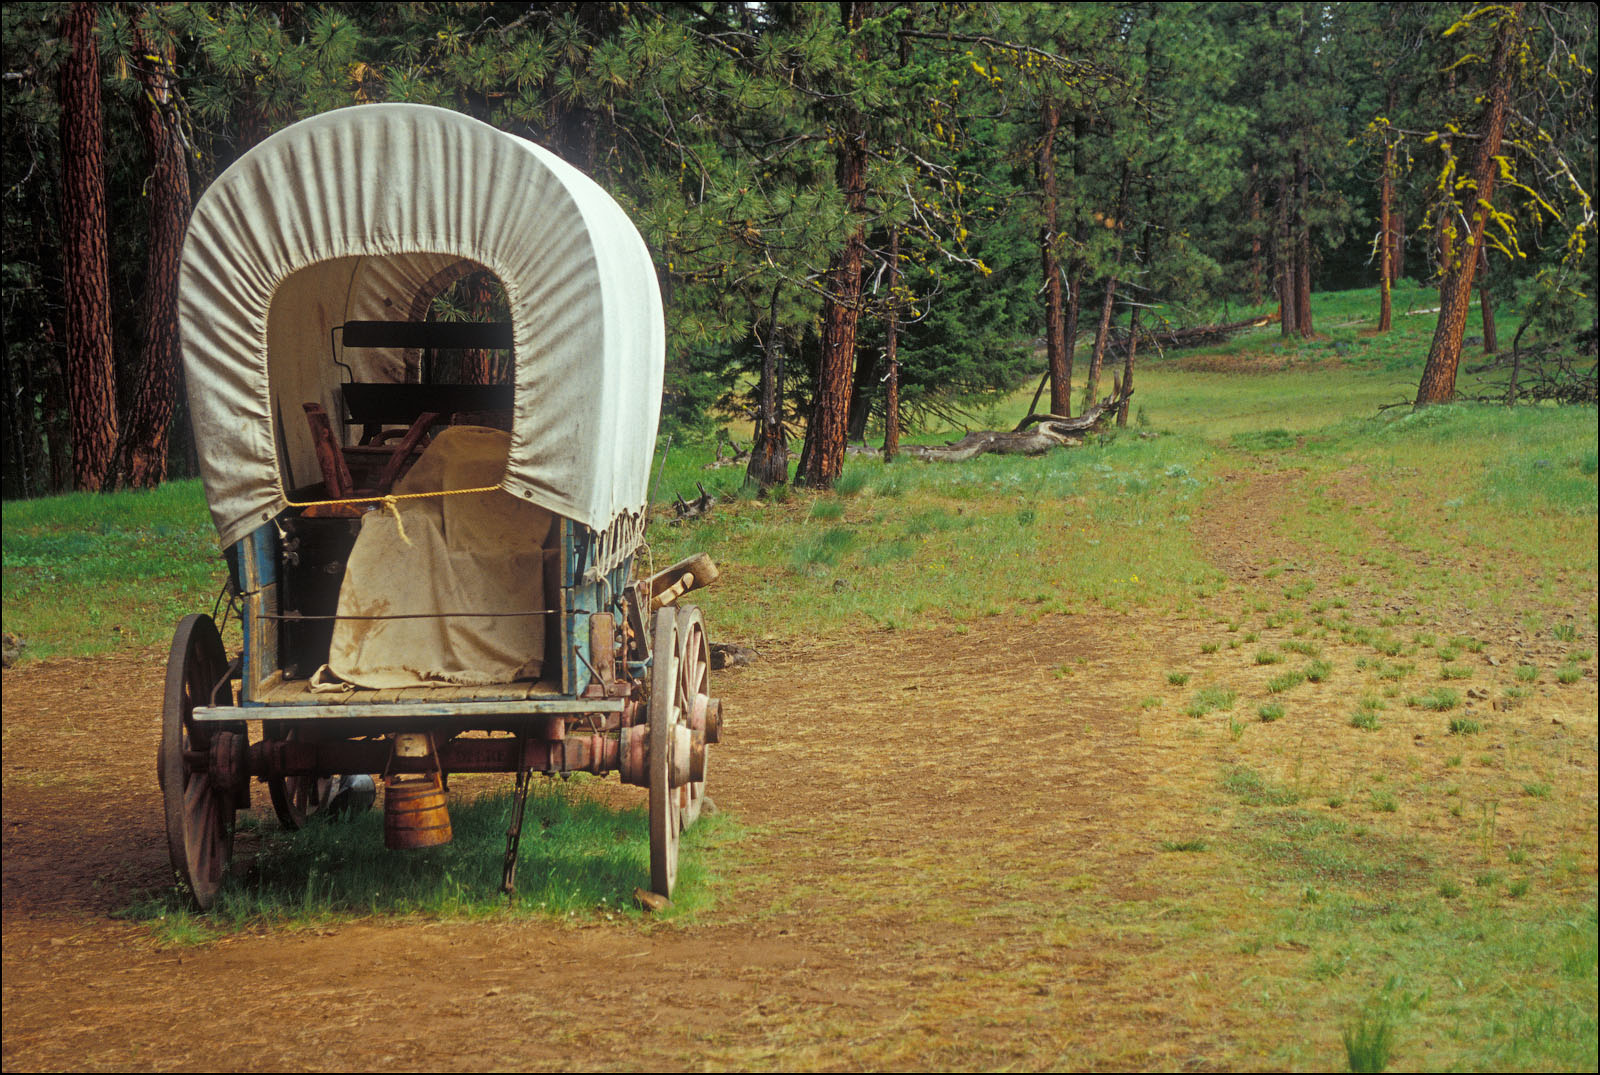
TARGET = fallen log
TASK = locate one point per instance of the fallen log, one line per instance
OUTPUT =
(1084, 422)
(1195, 336)
(1053, 431)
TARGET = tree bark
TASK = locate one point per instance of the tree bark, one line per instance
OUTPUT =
(891, 416)
(1255, 233)
(861, 392)
(1438, 382)
(1054, 330)
(824, 455)
(769, 454)
(1075, 263)
(1302, 261)
(1127, 366)
(1491, 342)
(1091, 385)
(1284, 250)
(91, 376)
(1385, 239)
(147, 431)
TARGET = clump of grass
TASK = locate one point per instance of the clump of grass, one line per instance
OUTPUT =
(1318, 670)
(1366, 719)
(1210, 700)
(1527, 673)
(1384, 802)
(1388, 645)
(1270, 711)
(1536, 790)
(1208, 647)
(827, 508)
(1395, 671)
(1305, 649)
(1455, 671)
(1149, 702)
(1184, 845)
(1285, 681)
(1449, 889)
(1518, 888)
(1268, 656)
(1569, 674)
(851, 482)
(1464, 726)
(1565, 632)
(1369, 1041)
(1177, 679)
(1439, 699)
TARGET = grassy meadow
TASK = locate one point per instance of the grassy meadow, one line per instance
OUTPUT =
(1378, 713)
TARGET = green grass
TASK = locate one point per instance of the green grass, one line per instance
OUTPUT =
(1438, 699)
(1285, 681)
(579, 858)
(90, 573)
(1212, 699)
(1270, 711)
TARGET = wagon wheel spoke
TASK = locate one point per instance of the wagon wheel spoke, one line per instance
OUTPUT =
(295, 799)
(665, 715)
(199, 814)
(694, 665)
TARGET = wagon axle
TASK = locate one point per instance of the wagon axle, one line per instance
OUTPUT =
(231, 761)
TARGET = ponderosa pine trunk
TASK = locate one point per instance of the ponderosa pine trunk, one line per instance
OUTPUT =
(1438, 382)
(1491, 342)
(1054, 330)
(1076, 266)
(1255, 233)
(147, 430)
(891, 332)
(1302, 260)
(769, 454)
(91, 374)
(823, 456)
(1283, 263)
(1385, 239)
(1091, 384)
(1127, 366)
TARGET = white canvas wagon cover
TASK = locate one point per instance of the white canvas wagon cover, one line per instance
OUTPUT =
(365, 213)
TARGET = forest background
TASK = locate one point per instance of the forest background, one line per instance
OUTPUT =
(865, 216)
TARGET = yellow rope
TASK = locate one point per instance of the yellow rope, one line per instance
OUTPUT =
(391, 502)
(386, 497)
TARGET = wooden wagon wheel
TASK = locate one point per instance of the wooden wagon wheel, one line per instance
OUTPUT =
(694, 689)
(666, 714)
(294, 798)
(199, 811)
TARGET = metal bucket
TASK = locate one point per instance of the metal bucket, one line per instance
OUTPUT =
(414, 813)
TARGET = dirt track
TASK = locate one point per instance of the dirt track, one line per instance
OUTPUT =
(918, 802)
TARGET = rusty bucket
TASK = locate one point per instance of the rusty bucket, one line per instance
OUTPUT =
(414, 813)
